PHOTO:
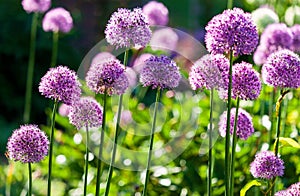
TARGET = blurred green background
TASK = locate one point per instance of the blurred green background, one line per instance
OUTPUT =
(187, 173)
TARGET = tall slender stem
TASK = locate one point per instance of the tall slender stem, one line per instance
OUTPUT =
(29, 179)
(229, 4)
(86, 160)
(27, 109)
(112, 162)
(234, 146)
(209, 175)
(227, 138)
(271, 103)
(99, 165)
(51, 147)
(54, 49)
(151, 141)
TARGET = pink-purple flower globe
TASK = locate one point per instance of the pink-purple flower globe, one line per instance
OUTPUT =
(156, 12)
(164, 39)
(233, 30)
(58, 20)
(28, 144)
(160, 72)
(296, 38)
(266, 165)
(293, 190)
(36, 5)
(87, 112)
(210, 71)
(61, 84)
(108, 76)
(282, 70)
(127, 28)
(244, 124)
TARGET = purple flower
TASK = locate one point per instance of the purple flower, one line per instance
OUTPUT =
(164, 39)
(282, 69)
(87, 112)
(266, 165)
(210, 71)
(233, 30)
(293, 190)
(28, 144)
(36, 5)
(156, 12)
(60, 84)
(160, 72)
(127, 28)
(58, 20)
(140, 62)
(244, 127)
(108, 75)
(64, 110)
(296, 38)
(102, 56)
(275, 37)
(132, 77)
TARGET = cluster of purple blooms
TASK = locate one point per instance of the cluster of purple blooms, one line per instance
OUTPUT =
(293, 190)
(39, 6)
(58, 20)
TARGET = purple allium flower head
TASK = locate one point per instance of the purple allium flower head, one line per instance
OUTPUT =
(64, 109)
(282, 69)
(293, 190)
(296, 38)
(275, 37)
(233, 30)
(164, 39)
(102, 56)
(132, 77)
(87, 112)
(160, 72)
(266, 165)
(36, 5)
(128, 28)
(244, 127)
(210, 71)
(140, 62)
(108, 75)
(58, 20)
(61, 84)
(156, 12)
(28, 144)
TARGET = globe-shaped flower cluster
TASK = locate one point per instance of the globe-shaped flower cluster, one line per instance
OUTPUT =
(58, 20)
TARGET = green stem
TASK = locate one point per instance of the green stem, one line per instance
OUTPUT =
(30, 179)
(54, 49)
(233, 147)
(99, 165)
(209, 177)
(113, 157)
(229, 4)
(51, 147)
(227, 138)
(27, 108)
(271, 103)
(151, 142)
(86, 161)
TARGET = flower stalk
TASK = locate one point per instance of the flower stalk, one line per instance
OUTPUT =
(209, 175)
(86, 161)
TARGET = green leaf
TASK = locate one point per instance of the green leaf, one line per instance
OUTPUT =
(248, 186)
(285, 141)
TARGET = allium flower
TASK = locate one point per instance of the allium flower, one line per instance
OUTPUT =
(292, 15)
(36, 5)
(244, 127)
(233, 30)
(282, 69)
(140, 62)
(131, 76)
(160, 72)
(58, 20)
(28, 144)
(108, 75)
(127, 28)
(296, 38)
(275, 37)
(164, 39)
(60, 84)
(64, 109)
(263, 16)
(86, 112)
(210, 71)
(266, 165)
(102, 56)
(156, 12)
(293, 190)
